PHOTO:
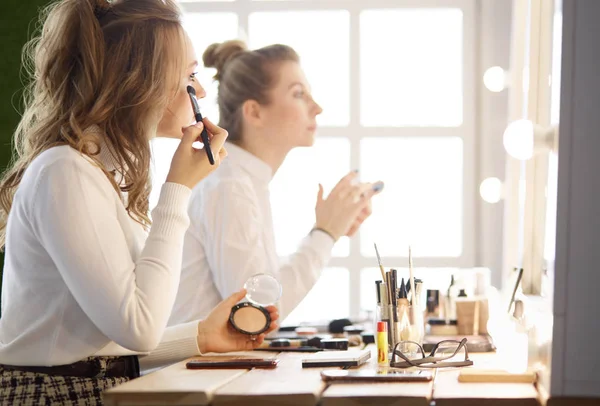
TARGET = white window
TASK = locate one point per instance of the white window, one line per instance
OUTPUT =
(396, 79)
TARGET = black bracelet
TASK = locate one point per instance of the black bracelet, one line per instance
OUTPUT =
(325, 231)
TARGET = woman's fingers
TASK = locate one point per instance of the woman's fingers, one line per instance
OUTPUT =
(358, 192)
(219, 135)
(273, 312)
(191, 134)
(258, 341)
(274, 326)
(344, 183)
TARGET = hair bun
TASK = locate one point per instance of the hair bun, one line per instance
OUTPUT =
(101, 4)
(217, 55)
(100, 7)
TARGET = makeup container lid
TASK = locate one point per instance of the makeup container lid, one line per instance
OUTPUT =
(353, 330)
(335, 344)
(368, 338)
(337, 326)
(442, 322)
(262, 289)
(306, 331)
(280, 343)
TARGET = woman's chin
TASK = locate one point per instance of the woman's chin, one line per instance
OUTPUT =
(170, 133)
(310, 140)
(305, 143)
(172, 129)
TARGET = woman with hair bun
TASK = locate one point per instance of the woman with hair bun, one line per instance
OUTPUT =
(265, 103)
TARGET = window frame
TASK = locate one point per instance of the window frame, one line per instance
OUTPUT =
(355, 262)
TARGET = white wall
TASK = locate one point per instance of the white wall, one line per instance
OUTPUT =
(575, 350)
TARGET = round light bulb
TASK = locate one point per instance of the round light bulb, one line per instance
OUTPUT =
(494, 79)
(518, 139)
(491, 190)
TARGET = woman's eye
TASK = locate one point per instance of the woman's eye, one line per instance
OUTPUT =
(299, 94)
(193, 76)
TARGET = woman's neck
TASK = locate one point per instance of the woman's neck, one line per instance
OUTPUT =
(271, 155)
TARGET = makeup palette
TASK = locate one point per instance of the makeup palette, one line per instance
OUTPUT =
(251, 317)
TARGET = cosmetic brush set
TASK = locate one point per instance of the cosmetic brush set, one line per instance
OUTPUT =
(398, 304)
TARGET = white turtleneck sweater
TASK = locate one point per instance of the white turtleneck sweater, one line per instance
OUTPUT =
(81, 277)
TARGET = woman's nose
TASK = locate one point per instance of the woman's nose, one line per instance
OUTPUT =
(318, 108)
(200, 92)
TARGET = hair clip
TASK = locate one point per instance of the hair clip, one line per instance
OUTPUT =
(102, 8)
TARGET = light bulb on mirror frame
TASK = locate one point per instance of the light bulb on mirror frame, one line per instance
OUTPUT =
(522, 139)
(518, 139)
(494, 79)
(491, 190)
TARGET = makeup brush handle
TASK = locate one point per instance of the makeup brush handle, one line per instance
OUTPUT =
(206, 143)
(205, 140)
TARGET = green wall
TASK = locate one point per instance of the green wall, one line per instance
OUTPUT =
(15, 19)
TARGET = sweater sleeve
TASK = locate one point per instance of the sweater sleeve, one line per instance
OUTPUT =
(75, 216)
(178, 343)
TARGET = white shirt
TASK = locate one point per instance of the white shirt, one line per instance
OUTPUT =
(231, 238)
(81, 277)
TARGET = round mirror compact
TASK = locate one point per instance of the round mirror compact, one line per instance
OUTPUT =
(251, 317)
(262, 289)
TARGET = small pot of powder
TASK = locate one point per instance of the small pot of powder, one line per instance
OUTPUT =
(248, 318)
(251, 317)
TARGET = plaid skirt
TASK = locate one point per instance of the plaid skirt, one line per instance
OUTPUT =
(21, 388)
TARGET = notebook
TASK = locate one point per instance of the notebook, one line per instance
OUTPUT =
(495, 376)
(350, 358)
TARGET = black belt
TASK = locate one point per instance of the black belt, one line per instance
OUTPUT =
(120, 367)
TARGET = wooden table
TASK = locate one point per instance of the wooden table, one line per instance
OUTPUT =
(290, 384)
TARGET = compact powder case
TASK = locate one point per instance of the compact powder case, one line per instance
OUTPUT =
(251, 317)
(248, 318)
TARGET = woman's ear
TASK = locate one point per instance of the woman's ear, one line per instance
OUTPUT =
(251, 110)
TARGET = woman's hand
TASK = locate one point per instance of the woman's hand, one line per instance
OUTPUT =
(190, 165)
(215, 334)
(368, 191)
(337, 214)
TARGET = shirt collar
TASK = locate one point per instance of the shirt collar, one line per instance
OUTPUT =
(256, 167)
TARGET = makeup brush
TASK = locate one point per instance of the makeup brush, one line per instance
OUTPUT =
(391, 287)
(412, 277)
(378, 291)
(413, 294)
(379, 261)
(204, 135)
(394, 279)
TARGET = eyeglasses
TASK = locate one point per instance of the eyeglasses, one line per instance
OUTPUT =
(410, 354)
